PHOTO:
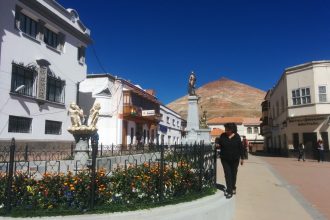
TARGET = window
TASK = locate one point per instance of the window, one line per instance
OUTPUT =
(51, 38)
(55, 89)
(256, 130)
(127, 99)
(322, 93)
(173, 121)
(81, 54)
(305, 96)
(22, 77)
(178, 123)
(296, 97)
(28, 26)
(168, 120)
(53, 127)
(19, 124)
(301, 96)
(249, 130)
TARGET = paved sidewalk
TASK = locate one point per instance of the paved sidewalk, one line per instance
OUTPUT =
(262, 195)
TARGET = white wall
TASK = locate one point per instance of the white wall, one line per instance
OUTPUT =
(173, 131)
(17, 47)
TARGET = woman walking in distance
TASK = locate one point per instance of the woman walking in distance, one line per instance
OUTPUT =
(231, 151)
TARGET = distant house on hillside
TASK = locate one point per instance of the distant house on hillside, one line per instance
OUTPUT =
(248, 127)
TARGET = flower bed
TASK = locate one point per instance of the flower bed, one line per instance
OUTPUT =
(132, 187)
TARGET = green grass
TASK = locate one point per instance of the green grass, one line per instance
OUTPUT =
(107, 208)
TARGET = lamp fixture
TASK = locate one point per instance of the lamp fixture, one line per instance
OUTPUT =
(19, 88)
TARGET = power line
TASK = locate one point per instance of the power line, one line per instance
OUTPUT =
(98, 59)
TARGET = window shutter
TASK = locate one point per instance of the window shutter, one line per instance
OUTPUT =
(18, 10)
(81, 52)
(40, 30)
(61, 40)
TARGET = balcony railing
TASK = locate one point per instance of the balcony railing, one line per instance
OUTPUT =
(134, 111)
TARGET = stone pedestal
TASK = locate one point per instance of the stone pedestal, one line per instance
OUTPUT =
(82, 135)
(194, 134)
(193, 118)
(81, 152)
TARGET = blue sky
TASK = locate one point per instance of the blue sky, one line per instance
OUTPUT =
(156, 43)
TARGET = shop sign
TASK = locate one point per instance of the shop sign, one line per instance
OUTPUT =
(306, 121)
(148, 112)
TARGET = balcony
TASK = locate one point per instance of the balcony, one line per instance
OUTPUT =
(134, 113)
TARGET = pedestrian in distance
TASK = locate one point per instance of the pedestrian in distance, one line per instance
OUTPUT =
(301, 152)
(245, 147)
(231, 154)
(320, 149)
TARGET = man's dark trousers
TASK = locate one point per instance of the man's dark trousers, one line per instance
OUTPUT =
(230, 169)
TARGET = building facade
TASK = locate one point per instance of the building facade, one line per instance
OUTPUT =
(129, 115)
(170, 127)
(297, 109)
(248, 127)
(42, 58)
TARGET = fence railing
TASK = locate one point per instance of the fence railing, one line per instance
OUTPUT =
(199, 162)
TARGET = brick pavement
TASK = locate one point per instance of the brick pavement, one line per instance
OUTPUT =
(311, 179)
(264, 195)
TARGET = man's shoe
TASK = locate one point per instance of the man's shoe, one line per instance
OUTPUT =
(229, 195)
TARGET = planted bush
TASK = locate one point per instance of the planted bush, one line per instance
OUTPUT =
(133, 185)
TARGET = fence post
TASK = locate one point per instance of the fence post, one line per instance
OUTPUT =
(94, 141)
(10, 176)
(26, 152)
(71, 150)
(101, 150)
(201, 164)
(215, 165)
(161, 174)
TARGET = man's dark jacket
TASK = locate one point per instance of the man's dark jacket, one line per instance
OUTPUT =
(231, 149)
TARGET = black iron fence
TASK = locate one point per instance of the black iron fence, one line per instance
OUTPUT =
(113, 174)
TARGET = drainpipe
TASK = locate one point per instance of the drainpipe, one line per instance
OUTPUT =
(77, 95)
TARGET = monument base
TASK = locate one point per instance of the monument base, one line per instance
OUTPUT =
(81, 152)
(198, 136)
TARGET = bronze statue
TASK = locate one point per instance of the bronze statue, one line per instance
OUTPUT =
(191, 84)
(203, 120)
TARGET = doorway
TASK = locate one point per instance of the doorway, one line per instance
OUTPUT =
(310, 140)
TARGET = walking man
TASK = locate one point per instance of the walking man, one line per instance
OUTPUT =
(301, 151)
(231, 151)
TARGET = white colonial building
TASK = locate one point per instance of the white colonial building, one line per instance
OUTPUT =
(297, 109)
(170, 127)
(42, 60)
(129, 115)
(248, 127)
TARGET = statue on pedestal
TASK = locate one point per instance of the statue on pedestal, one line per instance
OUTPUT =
(94, 115)
(76, 115)
(191, 84)
(83, 132)
(203, 120)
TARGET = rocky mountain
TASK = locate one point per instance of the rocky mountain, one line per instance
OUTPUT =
(224, 97)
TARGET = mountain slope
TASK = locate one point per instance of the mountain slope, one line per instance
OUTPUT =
(224, 97)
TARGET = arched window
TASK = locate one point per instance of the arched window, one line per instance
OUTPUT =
(249, 130)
